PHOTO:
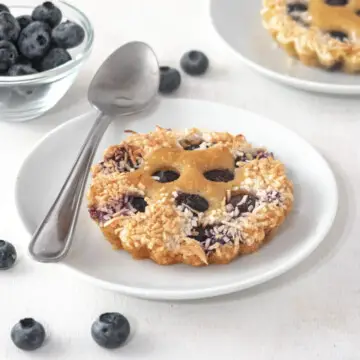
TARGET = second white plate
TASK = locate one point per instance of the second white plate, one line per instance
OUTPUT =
(47, 166)
(238, 22)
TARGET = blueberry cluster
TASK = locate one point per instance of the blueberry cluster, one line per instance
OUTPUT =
(37, 42)
(193, 63)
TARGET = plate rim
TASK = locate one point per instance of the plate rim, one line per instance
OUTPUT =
(312, 86)
(158, 294)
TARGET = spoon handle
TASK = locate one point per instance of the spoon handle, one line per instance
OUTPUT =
(52, 239)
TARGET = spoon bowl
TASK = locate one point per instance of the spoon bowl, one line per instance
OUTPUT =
(130, 90)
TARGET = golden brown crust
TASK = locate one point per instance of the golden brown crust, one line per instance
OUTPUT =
(165, 229)
(310, 44)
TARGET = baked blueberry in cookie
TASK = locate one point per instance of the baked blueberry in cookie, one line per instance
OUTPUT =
(322, 33)
(189, 196)
(221, 175)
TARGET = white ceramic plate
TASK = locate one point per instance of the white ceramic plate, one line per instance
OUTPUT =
(239, 23)
(46, 167)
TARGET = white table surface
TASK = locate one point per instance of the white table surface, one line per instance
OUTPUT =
(312, 312)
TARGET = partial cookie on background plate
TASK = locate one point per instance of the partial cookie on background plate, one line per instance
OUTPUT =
(188, 197)
(322, 33)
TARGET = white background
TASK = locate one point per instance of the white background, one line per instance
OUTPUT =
(312, 312)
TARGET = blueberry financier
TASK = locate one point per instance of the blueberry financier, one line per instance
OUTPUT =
(188, 197)
(323, 33)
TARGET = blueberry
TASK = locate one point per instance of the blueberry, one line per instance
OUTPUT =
(54, 58)
(170, 79)
(165, 176)
(338, 35)
(296, 7)
(19, 70)
(110, 330)
(35, 40)
(48, 13)
(9, 27)
(198, 233)
(28, 334)
(194, 62)
(138, 203)
(244, 203)
(24, 20)
(4, 8)
(7, 255)
(193, 201)
(23, 60)
(219, 175)
(247, 156)
(191, 147)
(127, 205)
(337, 66)
(8, 55)
(68, 35)
(336, 2)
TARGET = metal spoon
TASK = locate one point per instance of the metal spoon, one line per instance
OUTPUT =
(126, 83)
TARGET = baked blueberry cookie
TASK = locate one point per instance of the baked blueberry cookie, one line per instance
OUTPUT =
(188, 197)
(323, 33)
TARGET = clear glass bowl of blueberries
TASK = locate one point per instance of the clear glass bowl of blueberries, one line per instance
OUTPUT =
(42, 47)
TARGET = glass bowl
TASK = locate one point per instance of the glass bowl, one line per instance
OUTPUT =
(26, 97)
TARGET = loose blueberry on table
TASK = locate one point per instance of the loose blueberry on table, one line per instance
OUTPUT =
(194, 62)
(110, 330)
(28, 334)
(7, 255)
(36, 42)
(170, 79)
